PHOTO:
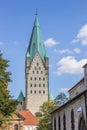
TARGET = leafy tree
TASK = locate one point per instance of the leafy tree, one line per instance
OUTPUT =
(45, 118)
(61, 99)
(7, 105)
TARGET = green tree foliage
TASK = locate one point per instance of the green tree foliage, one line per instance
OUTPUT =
(61, 99)
(7, 105)
(45, 118)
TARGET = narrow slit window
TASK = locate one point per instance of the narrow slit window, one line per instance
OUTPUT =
(31, 91)
(35, 85)
(39, 91)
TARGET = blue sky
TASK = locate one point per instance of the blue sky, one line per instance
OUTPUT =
(64, 28)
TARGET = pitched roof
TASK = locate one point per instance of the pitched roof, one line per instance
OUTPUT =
(30, 119)
(70, 101)
(80, 82)
(21, 96)
(36, 43)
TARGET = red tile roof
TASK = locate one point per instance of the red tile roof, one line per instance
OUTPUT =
(30, 119)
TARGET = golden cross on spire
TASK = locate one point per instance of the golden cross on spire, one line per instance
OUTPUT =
(36, 12)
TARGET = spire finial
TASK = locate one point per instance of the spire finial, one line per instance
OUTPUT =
(36, 12)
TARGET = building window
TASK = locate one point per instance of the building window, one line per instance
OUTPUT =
(35, 85)
(43, 92)
(43, 78)
(39, 78)
(43, 85)
(35, 67)
(16, 127)
(39, 85)
(41, 72)
(31, 78)
(39, 68)
(35, 78)
(26, 128)
(59, 123)
(39, 91)
(33, 72)
(82, 124)
(72, 120)
(35, 91)
(31, 91)
(31, 85)
(37, 64)
(64, 122)
(37, 72)
(54, 123)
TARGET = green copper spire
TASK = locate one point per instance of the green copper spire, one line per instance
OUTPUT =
(51, 97)
(36, 43)
(28, 55)
(21, 96)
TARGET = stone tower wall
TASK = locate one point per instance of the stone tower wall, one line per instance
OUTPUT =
(37, 89)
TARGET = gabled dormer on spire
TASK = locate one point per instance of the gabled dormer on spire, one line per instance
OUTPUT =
(36, 43)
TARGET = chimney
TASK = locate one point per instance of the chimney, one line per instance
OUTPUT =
(85, 75)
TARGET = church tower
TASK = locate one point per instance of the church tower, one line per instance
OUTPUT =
(36, 71)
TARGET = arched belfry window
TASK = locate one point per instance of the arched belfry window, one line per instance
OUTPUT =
(72, 120)
(64, 122)
(16, 127)
(59, 123)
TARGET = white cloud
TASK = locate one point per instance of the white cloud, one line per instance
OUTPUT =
(50, 65)
(75, 41)
(77, 50)
(15, 42)
(81, 36)
(68, 51)
(9, 43)
(63, 51)
(51, 42)
(1, 43)
(70, 65)
(64, 90)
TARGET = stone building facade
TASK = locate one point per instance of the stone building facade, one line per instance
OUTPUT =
(73, 114)
(36, 71)
(22, 120)
(14, 123)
